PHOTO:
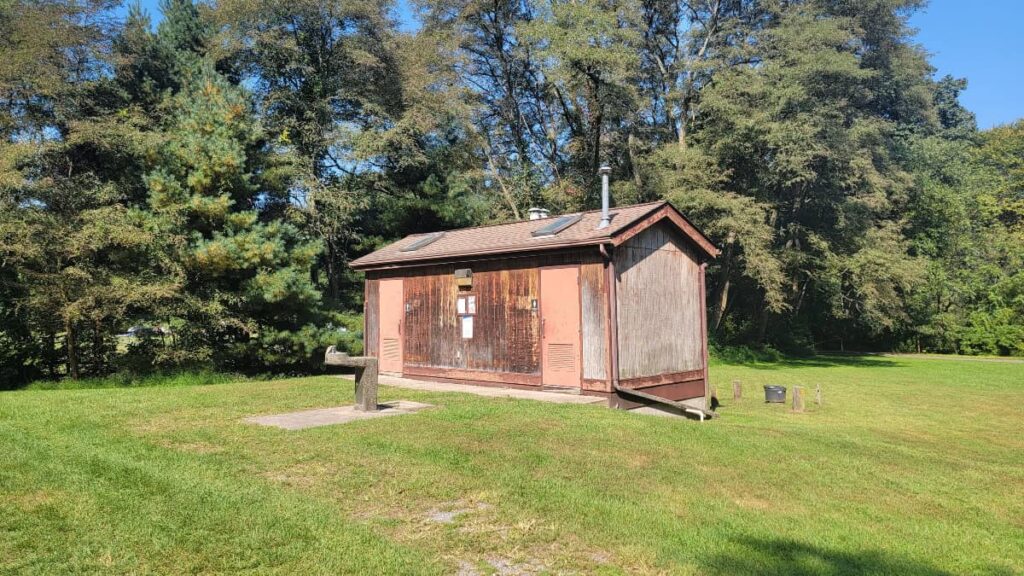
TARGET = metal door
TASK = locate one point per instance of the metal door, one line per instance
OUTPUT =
(560, 326)
(392, 315)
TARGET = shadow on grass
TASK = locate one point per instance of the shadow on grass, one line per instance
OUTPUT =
(824, 361)
(781, 556)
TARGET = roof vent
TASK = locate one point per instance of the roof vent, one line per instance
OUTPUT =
(556, 226)
(538, 213)
(423, 241)
(604, 171)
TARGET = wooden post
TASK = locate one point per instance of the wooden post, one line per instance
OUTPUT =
(737, 390)
(817, 394)
(798, 399)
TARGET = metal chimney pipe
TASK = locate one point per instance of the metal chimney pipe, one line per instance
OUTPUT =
(604, 171)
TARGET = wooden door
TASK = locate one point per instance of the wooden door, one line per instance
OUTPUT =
(560, 326)
(392, 314)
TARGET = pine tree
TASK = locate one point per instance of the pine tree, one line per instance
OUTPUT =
(248, 277)
(81, 258)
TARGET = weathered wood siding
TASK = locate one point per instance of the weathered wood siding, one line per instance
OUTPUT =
(594, 322)
(506, 329)
(659, 311)
(371, 321)
(506, 342)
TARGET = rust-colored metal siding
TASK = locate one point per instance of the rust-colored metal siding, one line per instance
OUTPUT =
(506, 328)
(659, 305)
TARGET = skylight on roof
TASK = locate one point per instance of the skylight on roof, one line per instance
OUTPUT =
(557, 225)
(424, 241)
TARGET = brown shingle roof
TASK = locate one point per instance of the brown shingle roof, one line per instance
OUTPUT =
(513, 237)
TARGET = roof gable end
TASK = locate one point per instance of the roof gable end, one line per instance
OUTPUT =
(669, 214)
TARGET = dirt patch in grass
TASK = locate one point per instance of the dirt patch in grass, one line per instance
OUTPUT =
(453, 510)
(479, 538)
(193, 447)
(304, 475)
(31, 501)
(751, 503)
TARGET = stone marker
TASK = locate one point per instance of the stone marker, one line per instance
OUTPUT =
(798, 399)
(366, 376)
(737, 390)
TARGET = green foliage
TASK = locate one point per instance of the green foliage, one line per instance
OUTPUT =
(249, 288)
(743, 355)
(132, 380)
(956, 121)
(964, 219)
(213, 177)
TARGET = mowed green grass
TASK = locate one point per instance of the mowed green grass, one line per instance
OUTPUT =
(910, 467)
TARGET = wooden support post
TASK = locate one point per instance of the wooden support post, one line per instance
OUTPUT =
(737, 390)
(798, 399)
(817, 394)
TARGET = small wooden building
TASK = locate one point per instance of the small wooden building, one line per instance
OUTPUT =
(558, 303)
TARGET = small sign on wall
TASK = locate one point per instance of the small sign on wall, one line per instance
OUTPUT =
(467, 327)
(464, 278)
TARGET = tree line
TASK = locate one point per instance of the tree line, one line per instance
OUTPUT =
(205, 180)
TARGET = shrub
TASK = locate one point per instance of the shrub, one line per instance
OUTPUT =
(133, 380)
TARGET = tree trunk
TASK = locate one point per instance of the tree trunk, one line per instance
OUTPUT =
(722, 300)
(595, 117)
(71, 343)
(631, 145)
(762, 329)
(710, 29)
(684, 114)
(333, 280)
(97, 347)
(51, 356)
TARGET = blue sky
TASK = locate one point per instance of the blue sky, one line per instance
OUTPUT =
(980, 41)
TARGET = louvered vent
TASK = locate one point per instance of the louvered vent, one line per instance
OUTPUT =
(390, 348)
(562, 357)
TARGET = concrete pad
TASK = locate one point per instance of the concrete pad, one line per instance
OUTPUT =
(489, 391)
(338, 415)
(665, 411)
(657, 411)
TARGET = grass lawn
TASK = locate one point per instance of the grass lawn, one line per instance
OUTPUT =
(912, 466)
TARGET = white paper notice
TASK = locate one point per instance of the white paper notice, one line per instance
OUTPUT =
(460, 306)
(467, 326)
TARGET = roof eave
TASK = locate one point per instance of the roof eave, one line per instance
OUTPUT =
(394, 263)
(616, 236)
